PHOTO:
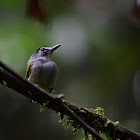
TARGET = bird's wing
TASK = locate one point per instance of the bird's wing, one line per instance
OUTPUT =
(28, 71)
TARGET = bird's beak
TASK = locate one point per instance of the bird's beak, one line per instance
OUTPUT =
(55, 47)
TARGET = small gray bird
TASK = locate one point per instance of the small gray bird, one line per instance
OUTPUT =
(41, 69)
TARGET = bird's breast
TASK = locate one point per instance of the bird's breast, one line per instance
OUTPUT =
(44, 74)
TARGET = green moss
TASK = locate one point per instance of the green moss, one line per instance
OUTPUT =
(4, 82)
(69, 122)
(117, 122)
(83, 111)
(43, 107)
(53, 91)
(61, 116)
(98, 111)
(107, 122)
(95, 118)
(103, 136)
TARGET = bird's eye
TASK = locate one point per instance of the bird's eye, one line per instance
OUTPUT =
(42, 49)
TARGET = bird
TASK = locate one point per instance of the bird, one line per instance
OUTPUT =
(41, 69)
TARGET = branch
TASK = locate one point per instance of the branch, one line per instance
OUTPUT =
(85, 118)
(21, 85)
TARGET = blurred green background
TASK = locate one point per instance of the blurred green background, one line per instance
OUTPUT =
(99, 63)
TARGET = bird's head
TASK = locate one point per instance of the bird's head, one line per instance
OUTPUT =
(43, 53)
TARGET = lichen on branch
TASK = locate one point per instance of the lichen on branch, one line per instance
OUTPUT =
(92, 121)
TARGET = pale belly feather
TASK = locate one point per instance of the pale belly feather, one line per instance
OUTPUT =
(44, 74)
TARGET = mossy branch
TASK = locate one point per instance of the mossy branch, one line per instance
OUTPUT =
(92, 121)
